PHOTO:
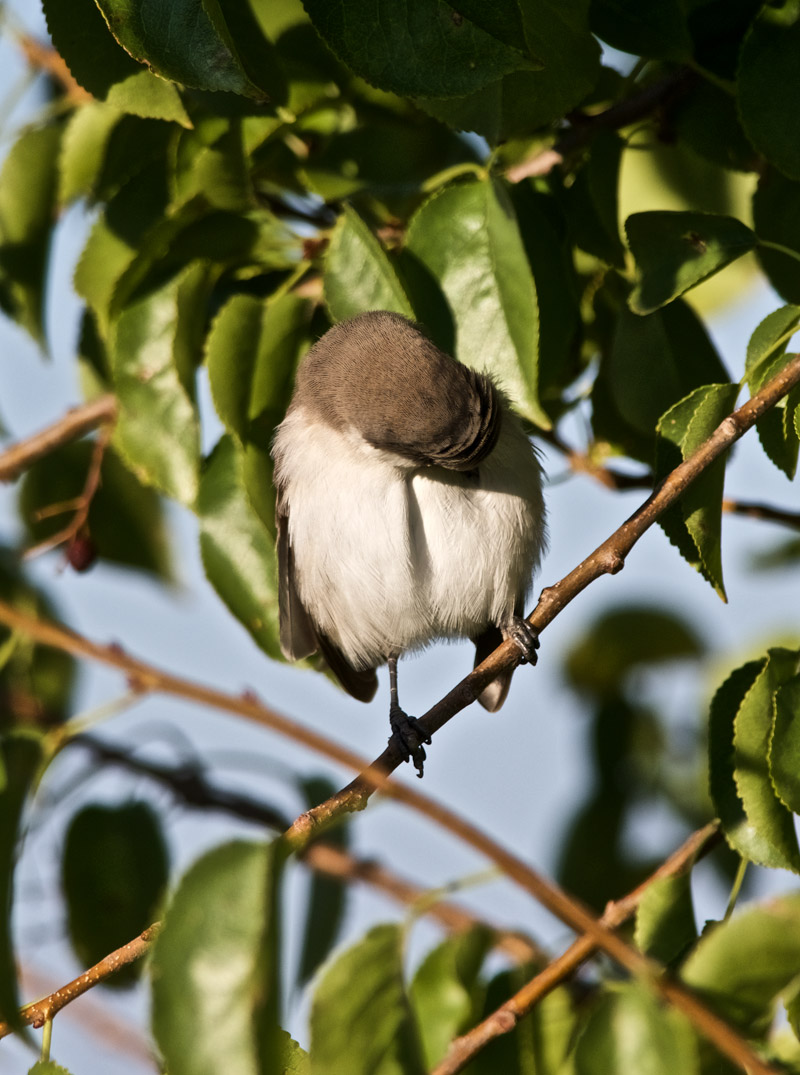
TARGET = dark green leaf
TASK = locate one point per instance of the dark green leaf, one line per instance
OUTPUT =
(784, 748)
(592, 202)
(186, 41)
(707, 120)
(360, 1016)
(752, 733)
(420, 48)
(623, 639)
(126, 521)
(157, 431)
(741, 966)
(358, 273)
(327, 896)
(698, 515)
(769, 84)
(466, 237)
(653, 28)
(676, 250)
(630, 1031)
(28, 185)
(776, 217)
(81, 36)
(114, 875)
(665, 927)
(768, 343)
(446, 994)
(238, 551)
(21, 756)
(216, 987)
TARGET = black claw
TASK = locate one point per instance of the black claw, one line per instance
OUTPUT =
(408, 733)
(526, 637)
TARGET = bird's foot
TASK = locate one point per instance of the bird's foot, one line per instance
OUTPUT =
(526, 637)
(408, 732)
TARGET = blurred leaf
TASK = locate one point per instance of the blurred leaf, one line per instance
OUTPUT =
(446, 993)
(707, 120)
(776, 217)
(629, 1031)
(653, 362)
(211, 162)
(676, 250)
(327, 896)
(47, 1067)
(238, 551)
(753, 729)
(114, 875)
(184, 41)
(784, 747)
(28, 185)
(358, 273)
(157, 432)
(360, 1018)
(694, 525)
(145, 94)
(466, 237)
(126, 520)
(768, 82)
(592, 201)
(35, 681)
(653, 28)
(422, 49)
(215, 967)
(786, 554)
(83, 149)
(21, 756)
(740, 967)
(621, 640)
(665, 927)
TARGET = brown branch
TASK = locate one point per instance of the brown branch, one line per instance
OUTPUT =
(40, 1011)
(75, 423)
(763, 511)
(505, 1018)
(649, 99)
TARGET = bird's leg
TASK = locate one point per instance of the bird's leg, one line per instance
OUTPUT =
(525, 635)
(406, 729)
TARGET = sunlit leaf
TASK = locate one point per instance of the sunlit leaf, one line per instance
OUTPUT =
(358, 273)
(665, 927)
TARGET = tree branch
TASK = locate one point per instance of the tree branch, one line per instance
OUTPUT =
(505, 1018)
(75, 423)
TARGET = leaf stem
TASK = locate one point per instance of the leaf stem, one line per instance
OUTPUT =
(781, 249)
(47, 1038)
(736, 888)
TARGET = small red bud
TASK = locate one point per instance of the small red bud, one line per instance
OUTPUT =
(81, 552)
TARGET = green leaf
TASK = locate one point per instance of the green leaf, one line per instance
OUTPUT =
(212, 163)
(126, 520)
(28, 185)
(157, 431)
(186, 41)
(752, 733)
(466, 237)
(776, 218)
(622, 640)
(358, 273)
(114, 876)
(83, 149)
(145, 94)
(694, 525)
(676, 250)
(215, 967)
(47, 1067)
(740, 967)
(592, 201)
(327, 896)
(237, 549)
(707, 120)
(360, 1017)
(557, 33)
(769, 82)
(446, 994)
(81, 37)
(630, 1031)
(784, 748)
(652, 28)
(420, 48)
(768, 344)
(665, 927)
(21, 756)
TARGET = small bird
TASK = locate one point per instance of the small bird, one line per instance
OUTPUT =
(409, 508)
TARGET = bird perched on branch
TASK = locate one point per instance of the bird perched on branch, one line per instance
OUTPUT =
(409, 508)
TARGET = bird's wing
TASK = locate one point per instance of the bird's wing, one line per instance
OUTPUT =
(493, 695)
(299, 636)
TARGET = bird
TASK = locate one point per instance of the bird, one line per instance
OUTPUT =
(409, 507)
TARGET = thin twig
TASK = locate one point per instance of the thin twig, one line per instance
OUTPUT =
(505, 1018)
(76, 423)
(763, 511)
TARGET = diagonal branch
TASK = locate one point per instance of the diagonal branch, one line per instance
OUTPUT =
(75, 423)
